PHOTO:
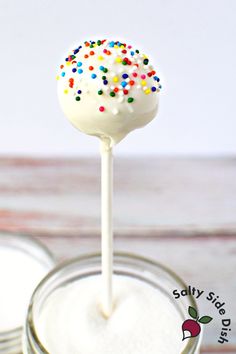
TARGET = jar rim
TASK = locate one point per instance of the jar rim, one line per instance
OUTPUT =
(191, 345)
(24, 243)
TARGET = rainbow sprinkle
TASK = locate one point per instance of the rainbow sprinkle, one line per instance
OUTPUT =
(133, 71)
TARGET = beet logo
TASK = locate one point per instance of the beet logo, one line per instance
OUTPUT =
(191, 328)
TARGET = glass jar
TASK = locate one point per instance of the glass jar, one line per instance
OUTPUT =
(30, 249)
(129, 265)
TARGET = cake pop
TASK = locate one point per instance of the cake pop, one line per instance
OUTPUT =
(107, 89)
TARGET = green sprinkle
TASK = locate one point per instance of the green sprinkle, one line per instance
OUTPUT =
(124, 62)
(99, 42)
(104, 77)
(105, 70)
(77, 98)
(137, 51)
(145, 62)
(112, 94)
(100, 92)
(130, 100)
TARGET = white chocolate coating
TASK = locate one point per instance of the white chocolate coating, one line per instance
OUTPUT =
(144, 320)
(119, 116)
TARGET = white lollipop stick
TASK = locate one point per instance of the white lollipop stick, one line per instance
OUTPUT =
(106, 225)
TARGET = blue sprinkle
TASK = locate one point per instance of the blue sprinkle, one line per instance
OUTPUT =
(79, 64)
(156, 78)
(79, 92)
(105, 82)
(74, 70)
(66, 59)
(111, 44)
(132, 53)
(80, 71)
(123, 83)
(63, 74)
(101, 67)
(93, 76)
(160, 87)
(76, 51)
(153, 89)
(125, 76)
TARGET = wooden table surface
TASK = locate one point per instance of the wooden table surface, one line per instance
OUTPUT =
(181, 212)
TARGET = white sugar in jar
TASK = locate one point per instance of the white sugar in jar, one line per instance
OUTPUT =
(23, 264)
(65, 313)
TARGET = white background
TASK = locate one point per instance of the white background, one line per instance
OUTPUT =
(192, 43)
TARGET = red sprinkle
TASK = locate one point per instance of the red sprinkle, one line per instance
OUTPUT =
(125, 92)
(92, 52)
(135, 74)
(62, 66)
(101, 108)
(124, 51)
(131, 82)
(116, 89)
(91, 67)
(86, 56)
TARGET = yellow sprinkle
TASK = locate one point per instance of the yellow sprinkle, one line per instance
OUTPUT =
(115, 79)
(100, 57)
(118, 59)
(65, 91)
(147, 91)
(143, 83)
(116, 46)
(68, 63)
(57, 77)
(122, 46)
